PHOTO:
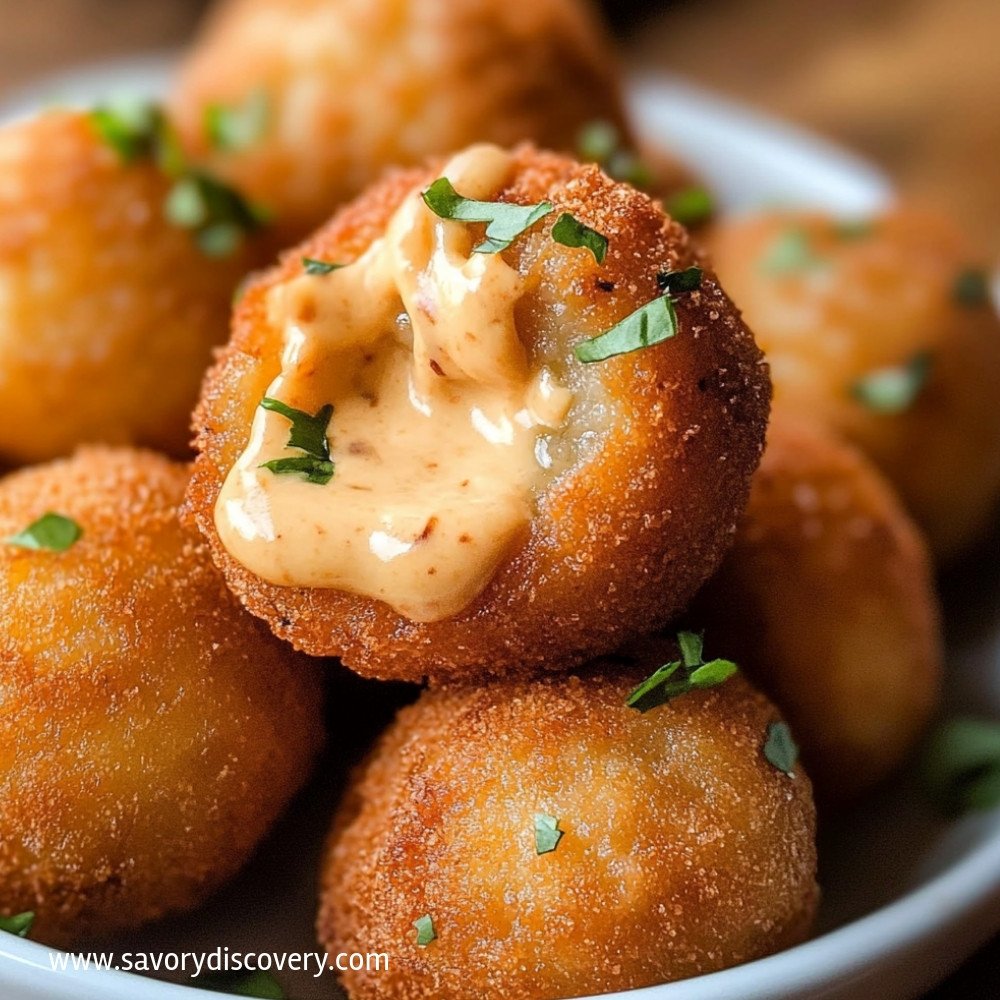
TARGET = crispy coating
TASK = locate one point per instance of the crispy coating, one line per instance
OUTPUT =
(865, 301)
(828, 601)
(683, 850)
(661, 443)
(355, 86)
(150, 730)
(108, 313)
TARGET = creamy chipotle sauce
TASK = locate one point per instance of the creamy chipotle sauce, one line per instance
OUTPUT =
(438, 420)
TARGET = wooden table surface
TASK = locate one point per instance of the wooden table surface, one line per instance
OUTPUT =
(912, 84)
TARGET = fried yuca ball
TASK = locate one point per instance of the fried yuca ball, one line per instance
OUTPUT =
(672, 846)
(303, 102)
(884, 334)
(827, 600)
(492, 503)
(150, 730)
(108, 312)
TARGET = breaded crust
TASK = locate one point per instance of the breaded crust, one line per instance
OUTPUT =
(108, 312)
(150, 730)
(893, 294)
(827, 600)
(618, 543)
(684, 850)
(355, 86)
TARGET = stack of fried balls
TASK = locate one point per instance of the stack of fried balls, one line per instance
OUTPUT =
(494, 423)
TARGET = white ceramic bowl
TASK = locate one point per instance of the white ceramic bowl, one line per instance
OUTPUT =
(907, 897)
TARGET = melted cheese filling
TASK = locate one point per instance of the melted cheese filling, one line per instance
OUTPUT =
(438, 427)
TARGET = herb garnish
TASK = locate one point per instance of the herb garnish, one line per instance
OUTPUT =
(600, 142)
(313, 266)
(506, 221)
(780, 750)
(52, 532)
(971, 288)
(853, 229)
(219, 216)
(789, 253)
(238, 127)
(18, 923)
(308, 434)
(675, 282)
(425, 930)
(570, 232)
(243, 984)
(689, 673)
(139, 130)
(547, 833)
(650, 324)
(961, 765)
(894, 390)
(690, 206)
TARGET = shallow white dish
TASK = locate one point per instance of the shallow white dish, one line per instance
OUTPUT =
(907, 896)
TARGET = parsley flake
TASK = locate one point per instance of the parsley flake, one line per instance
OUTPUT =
(690, 206)
(690, 673)
(570, 232)
(138, 130)
(547, 833)
(316, 267)
(308, 434)
(894, 390)
(52, 532)
(849, 230)
(505, 221)
(243, 984)
(650, 324)
(425, 930)
(780, 749)
(600, 142)
(238, 127)
(971, 288)
(18, 923)
(790, 253)
(961, 765)
(219, 216)
(675, 282)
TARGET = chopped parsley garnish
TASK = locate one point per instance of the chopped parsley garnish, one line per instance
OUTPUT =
(689, 673)
(853, 229)
(219, 216)
(308, 434)
(240, 126)
(961, 765)
(791, 252)
(313, 266)
(242, 984)
(971, 288)
(138, 130)
(18, 923)
(650, 324)
(570, 232)
(894, 390)
(780, 750)
(425, 930)
(547, 833)
(315, 470)
(675, 282)
(52, 532)
(505, 221)
(600, 142)
(690, 206)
